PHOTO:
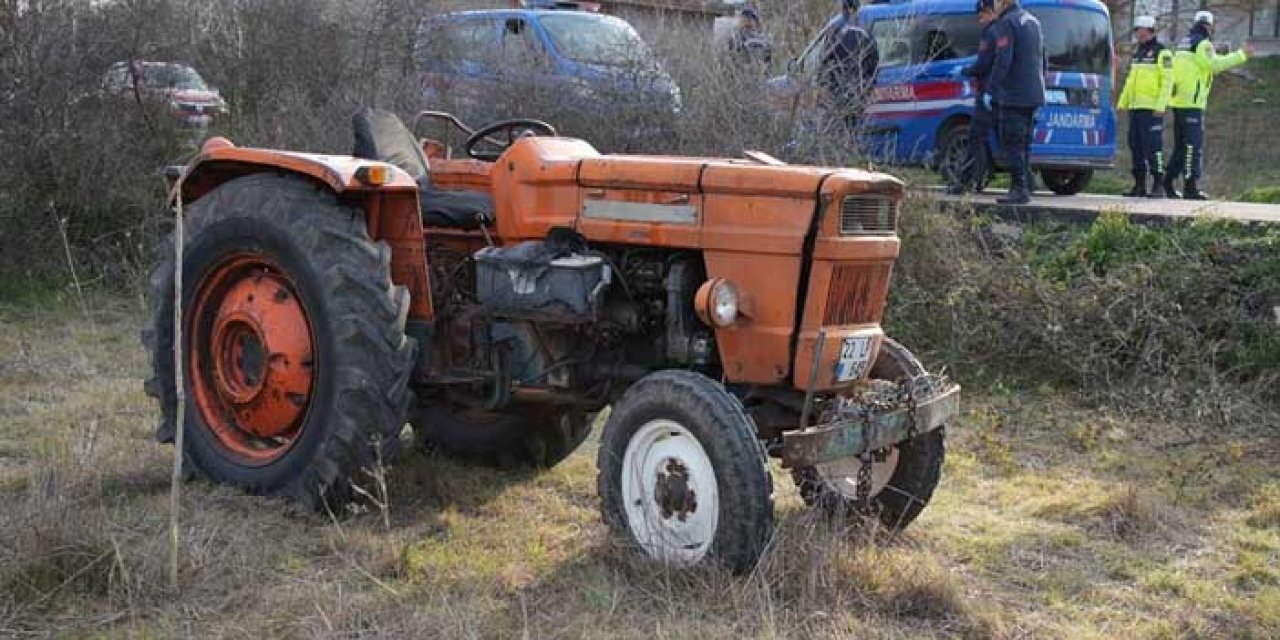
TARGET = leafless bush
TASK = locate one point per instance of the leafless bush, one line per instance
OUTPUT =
(293, 72)
(1174, 321)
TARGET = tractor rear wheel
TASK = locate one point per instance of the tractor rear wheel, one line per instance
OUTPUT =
(902, 477)
(682, 475)
(504, 440)
(296, 361)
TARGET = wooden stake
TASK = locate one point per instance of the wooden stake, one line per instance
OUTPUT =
(179, 386)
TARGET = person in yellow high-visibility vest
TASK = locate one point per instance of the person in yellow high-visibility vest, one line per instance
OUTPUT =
(1146, 96)
(1194, 66)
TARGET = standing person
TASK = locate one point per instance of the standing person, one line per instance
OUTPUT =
(1146, 96)
(849, 66)
(1015, 91)
(748, 42)
(1194, 66)
(974, 169)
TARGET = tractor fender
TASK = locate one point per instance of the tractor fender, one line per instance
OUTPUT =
(220, 161)
(386, 194)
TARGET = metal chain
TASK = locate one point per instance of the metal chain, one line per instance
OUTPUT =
(912, 427)
(864, 483)
(863, 496)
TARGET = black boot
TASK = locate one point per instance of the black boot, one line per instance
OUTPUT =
(1156, 180)
(1169, 191)
(1139, 189)
(1190, 192)
(1016, 195)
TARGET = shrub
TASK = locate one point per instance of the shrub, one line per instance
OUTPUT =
(1175, 312)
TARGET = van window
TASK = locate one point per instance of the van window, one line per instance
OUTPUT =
(893, 39)
(442, 44)
(1075, 39)
(812, 56)
(595, 39)
(950, 37)
(924, 39)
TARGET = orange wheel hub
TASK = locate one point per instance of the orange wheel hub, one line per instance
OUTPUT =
(251, 355)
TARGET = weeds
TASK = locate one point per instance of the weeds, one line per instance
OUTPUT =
(1171, 321)
(1030, 535)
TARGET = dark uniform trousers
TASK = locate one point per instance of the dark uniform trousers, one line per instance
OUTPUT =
(975, 166)
(1014, 127)
(1146, 142)
(1188, 142)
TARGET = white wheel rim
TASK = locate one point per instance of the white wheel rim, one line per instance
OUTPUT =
(669, 489)
(842, 475)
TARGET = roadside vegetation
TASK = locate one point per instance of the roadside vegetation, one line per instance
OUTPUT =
(1114, 474)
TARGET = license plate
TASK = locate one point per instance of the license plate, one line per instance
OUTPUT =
(1055, 96)
(855, 356)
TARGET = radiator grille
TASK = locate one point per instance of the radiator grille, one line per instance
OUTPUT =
(868, 215)
(857, 294)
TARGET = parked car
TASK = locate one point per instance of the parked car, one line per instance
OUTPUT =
(553, 63)
(922, 106)
(175, 88)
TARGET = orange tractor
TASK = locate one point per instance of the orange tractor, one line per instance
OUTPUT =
(726, 310)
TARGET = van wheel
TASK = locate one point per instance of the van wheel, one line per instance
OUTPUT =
(1066, 183)
(953, 152)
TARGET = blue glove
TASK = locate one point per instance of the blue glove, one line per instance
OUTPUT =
(986, 101)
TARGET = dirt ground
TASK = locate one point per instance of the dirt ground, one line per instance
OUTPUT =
(1052, 520)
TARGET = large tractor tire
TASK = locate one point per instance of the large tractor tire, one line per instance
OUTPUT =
(503, 440)
(682, 475)
(296, 361)
(902, 477)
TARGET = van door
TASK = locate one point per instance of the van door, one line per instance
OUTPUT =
(529, 75)
(458, 57)
(797, 91)
(918, 86)
(1076, 128)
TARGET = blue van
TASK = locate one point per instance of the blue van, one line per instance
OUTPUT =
(559, 62)
(922, 105)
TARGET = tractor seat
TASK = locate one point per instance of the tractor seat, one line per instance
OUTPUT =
(381, 136)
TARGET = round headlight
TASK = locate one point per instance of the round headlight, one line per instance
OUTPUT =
(717, 303)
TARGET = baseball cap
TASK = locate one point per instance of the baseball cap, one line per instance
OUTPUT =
(984, 5)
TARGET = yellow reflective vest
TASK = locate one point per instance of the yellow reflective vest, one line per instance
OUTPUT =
(1150, 81)
(1194, 66)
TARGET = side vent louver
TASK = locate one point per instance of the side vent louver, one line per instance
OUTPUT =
(868, 215)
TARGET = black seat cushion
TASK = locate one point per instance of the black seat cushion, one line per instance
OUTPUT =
(465, 210)
(380, 135)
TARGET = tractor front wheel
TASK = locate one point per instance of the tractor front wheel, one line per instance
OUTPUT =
(902, 477)
(682, 475)
(296, 360)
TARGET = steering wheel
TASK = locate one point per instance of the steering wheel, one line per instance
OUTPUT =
(515, 129)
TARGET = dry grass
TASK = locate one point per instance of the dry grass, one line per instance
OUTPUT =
(1134, 534)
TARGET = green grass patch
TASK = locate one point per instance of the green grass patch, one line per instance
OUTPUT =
(1263, 195)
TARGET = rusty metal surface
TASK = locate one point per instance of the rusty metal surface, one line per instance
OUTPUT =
(850, 437)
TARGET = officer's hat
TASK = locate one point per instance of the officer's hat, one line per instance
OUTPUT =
(1204, 17)
(1144, 22)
